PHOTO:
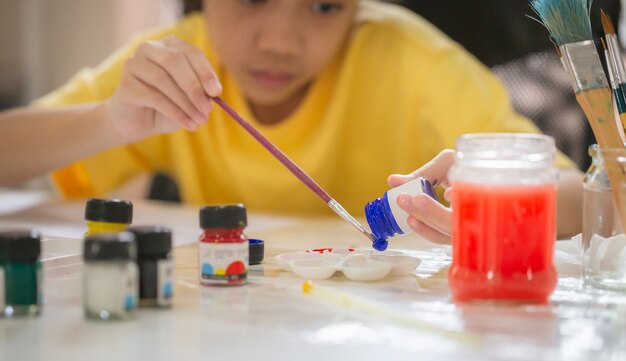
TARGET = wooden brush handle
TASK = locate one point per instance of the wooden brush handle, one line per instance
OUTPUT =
(622, 120)
(598, 107)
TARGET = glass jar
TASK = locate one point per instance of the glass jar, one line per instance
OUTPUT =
(107, 215)
(223, 248)
(20, 272)
(110, 276)
(504, 218)
(154, 258)
(603, 240)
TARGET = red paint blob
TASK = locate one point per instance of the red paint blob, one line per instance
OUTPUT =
(236, 268)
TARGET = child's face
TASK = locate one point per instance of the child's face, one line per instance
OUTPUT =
(275, 48)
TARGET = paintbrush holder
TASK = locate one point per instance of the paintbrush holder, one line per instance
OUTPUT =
(603, 239)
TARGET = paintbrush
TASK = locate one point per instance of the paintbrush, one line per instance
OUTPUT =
(294, 168)
(615, 66)
(369, 307)
(570, 29)
(618, 94)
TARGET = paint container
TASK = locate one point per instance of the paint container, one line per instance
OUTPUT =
(223, 247)
(385, 217)
(107, 215)
(503, 218)
(256, 251)
(154, 258)
(110, 276)
(20, 273)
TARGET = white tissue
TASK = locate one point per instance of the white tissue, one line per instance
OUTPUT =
(607, 254)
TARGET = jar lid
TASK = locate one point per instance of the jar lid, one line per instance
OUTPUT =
(109, 210)
(152, 240)
(110, 246)
(20, 245)
(256, 251)
(224, 216)
(506, 150)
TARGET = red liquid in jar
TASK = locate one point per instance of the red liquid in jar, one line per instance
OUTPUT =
(503, 243)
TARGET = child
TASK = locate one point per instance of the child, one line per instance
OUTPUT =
(351, 90)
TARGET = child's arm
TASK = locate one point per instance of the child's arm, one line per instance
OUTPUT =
(164, 87)
(36, 141)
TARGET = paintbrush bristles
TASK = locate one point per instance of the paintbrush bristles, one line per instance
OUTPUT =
(566, 20)
(607, 24)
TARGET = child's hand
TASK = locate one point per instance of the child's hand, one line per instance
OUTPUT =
(165, 86)
(428, 218)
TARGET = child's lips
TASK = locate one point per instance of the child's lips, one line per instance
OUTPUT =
(272, 79)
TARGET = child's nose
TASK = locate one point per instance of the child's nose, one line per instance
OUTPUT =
(281, 36)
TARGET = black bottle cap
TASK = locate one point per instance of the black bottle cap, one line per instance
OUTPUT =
(110, 246)
(109, 210)
(20, 245)
(152, 241)
(225, 216)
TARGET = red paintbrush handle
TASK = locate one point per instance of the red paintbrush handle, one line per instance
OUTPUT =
(277, 153)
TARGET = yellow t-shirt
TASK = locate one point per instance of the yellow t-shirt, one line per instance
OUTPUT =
(398, 93)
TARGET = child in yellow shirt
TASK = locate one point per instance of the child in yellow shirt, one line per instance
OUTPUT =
(351, 90)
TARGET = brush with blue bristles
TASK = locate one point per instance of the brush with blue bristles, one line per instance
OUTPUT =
(569, 24)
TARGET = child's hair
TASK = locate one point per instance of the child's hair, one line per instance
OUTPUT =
(196, 5)
(191, 6)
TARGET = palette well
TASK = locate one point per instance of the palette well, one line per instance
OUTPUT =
(355, 264)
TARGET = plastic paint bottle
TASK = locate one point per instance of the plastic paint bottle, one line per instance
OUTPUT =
(386, 218)
(154, 258)
(223, 247)
(110, 276)
(20, 277)
(107, 215)
(503, 218)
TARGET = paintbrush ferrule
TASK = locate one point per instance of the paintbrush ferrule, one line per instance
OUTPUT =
(610, 67)
(335, 206)
(583, 65)
(615, 52)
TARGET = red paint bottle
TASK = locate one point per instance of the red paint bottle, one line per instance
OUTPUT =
(223, 247)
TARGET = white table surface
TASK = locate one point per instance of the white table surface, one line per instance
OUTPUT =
(271, 318)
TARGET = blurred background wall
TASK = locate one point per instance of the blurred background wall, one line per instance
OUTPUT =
(44, 42)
